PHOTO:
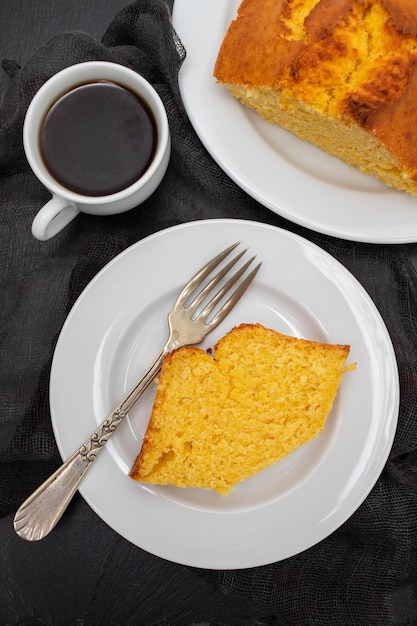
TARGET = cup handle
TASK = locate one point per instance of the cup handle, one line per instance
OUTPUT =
(53, 217)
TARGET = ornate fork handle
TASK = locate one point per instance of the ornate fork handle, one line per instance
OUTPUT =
(40, 513)
(91, 448)
(189, 322)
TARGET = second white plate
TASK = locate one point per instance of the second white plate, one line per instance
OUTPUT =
(287, 175)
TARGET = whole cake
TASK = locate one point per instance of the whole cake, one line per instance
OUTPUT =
(341, 74)
(220, 419)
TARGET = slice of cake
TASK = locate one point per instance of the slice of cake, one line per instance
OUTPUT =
(340, 74)
(219, 419)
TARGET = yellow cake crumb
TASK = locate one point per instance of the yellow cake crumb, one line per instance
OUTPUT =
(219, 420)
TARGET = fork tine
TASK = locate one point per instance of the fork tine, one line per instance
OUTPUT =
(223, 291)
(203, 273)
(215, 281)
(234, 298)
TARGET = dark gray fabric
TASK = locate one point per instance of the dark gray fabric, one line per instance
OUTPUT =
(365, 572)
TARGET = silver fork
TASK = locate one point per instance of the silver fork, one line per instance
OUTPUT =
(189, 322)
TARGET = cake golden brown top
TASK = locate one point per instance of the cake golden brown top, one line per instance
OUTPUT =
(350, 59)
(218, 420)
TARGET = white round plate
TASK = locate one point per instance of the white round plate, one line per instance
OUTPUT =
(291, 177)
(117, 327)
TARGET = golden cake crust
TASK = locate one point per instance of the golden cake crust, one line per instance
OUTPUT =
(351, 61)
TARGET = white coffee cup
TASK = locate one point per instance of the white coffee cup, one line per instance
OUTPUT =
(66, 204)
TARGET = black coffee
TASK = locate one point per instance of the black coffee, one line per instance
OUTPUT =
(98, 138)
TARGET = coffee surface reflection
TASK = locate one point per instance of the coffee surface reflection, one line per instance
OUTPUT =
(98, 138)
